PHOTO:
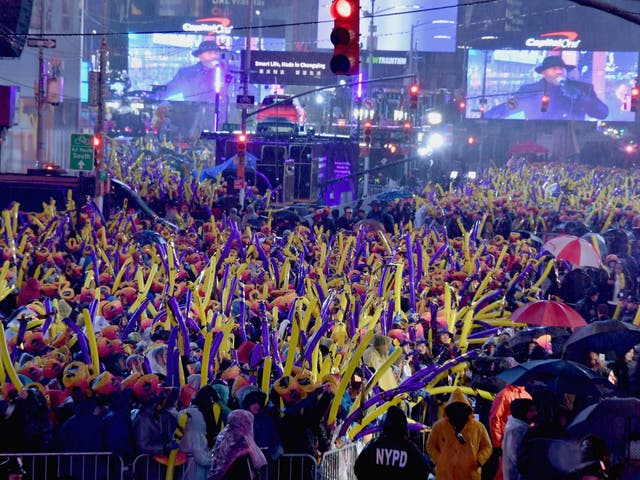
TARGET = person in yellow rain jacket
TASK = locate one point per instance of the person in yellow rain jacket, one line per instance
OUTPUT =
(458, 444)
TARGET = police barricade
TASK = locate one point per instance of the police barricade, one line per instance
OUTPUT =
(146, 467)
(292, 466)
(288, 467)
(338, 464)
(64, 466)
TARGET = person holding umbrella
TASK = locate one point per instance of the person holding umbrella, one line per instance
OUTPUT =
(587, 306)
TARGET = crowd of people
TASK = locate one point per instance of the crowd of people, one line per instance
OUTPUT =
(257, 342)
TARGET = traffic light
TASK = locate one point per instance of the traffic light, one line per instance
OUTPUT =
(544, 103)
(462, 104)
(345, 37)
(406, 131)
(471, 140)
(368, 126)
(483, 107)
(97, 151)
(413, 96)
(635, 99)
(242, 152)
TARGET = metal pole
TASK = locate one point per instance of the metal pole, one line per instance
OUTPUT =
(411, 50)
(82, 42)
(370, 49)
(372, 26)
(99, 127)
(40, 94)
(245, 91)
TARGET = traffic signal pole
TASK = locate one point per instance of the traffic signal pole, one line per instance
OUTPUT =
(245, 91)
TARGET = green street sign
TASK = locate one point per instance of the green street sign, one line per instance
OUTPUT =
(81, 153)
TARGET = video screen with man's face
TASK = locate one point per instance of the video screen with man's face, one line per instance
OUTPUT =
(498, 78)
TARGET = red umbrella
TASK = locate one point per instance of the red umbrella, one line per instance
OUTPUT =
(573, 249)
(528, 147)
(547, 313)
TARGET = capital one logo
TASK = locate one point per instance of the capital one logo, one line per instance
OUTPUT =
(555, 40)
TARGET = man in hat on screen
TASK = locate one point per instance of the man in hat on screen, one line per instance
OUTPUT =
(565, 99)
(196, 83)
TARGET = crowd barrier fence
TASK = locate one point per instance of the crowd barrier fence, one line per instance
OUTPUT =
(334, 465)
(338, 464)
(71, 466)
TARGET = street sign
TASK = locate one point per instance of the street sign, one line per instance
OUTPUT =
(38, 42)
(245, 100)
(238, 184)
(81, 152)
(230, 127)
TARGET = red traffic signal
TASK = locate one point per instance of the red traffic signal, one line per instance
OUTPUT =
(242, 144)
(462, 105)
(635, 99)
(368, 126)
(406, 130)
(413, 96)
(345, 37)
(544, 103)
(97, 151)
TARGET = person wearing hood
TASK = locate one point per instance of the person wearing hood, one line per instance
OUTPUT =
(523, 412)
(235, 454)
(375, 356)
(392, 453)
(157, 357)
(499, 414)
(194, 441)
(458, 444)
(265, 428)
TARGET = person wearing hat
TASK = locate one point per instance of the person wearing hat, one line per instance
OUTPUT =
(392, 453)
(195, 83)
(375, 356)
(458, 444)
(567, 99)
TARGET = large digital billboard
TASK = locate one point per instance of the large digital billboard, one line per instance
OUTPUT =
(188, 66)
(550, 84)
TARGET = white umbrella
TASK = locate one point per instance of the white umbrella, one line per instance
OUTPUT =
(573, 249)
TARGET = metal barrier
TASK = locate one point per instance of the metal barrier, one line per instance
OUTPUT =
(145, 467)
(70, 466)
(338, 464)
(106, 466)
(288, 467)
(292, 466)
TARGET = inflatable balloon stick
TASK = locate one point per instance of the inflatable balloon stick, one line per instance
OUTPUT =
(91, 336)
(9, 369)
(346, 374)
(177, 436)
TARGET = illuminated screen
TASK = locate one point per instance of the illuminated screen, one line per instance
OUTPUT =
(167, 60)
(570, 85)
(432, 25)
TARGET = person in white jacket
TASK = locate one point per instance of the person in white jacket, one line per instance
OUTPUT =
(523, 411)
(194, 441)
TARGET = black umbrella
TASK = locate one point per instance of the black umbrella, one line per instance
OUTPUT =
(602, 337)
(618, 240)
(519, 343)
(571, 227)
(149, 237)
(565, 378)
(614, 420)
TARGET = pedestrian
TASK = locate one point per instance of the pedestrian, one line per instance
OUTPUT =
(523, 411)
(235, 455)
(458, 444)
(392, 453)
